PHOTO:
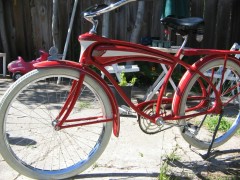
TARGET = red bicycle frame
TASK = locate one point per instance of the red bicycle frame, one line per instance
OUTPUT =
(99, 52)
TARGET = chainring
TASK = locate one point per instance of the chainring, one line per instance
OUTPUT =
(145, 124)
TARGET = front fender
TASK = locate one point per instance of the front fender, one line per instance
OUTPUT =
(94, 75)
(62, 63)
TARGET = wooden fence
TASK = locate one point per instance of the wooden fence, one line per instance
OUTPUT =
(28, 24)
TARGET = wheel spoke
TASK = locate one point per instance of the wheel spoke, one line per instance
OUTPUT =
(199, 129)
(29, 135)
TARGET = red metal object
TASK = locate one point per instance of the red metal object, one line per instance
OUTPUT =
(84, 121)
(195, 52)
(20, 67)
(182, 87)
(100, 52)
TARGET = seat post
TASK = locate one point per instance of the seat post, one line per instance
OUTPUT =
(178, 54)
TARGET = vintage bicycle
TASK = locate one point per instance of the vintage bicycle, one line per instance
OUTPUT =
(57, 119)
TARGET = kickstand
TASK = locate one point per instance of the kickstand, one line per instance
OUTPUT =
(207, 155)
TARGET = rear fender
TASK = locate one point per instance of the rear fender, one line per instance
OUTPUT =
(88, 71)
(177, 100)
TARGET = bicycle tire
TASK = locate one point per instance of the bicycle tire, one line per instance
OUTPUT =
(29, 143)
(230, 120)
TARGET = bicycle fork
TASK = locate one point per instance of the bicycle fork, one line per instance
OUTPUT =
(70, 102)
(68, 106)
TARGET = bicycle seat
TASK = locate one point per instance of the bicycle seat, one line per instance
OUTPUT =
(185, 26)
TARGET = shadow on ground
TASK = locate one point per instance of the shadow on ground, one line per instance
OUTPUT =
(116, 175)
(220, 163)
(20, 141)
(5, 83)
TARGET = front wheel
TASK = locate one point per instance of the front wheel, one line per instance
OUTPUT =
(198, 131)
(28, 140)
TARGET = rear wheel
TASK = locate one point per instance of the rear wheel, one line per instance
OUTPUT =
(28, 139)
(198, 131)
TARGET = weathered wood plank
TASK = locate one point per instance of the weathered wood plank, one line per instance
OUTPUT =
(30, 24)
(210, 16)
(234, 29)
(3, 31)
(41, 12)
(11, 29)
(222, 24)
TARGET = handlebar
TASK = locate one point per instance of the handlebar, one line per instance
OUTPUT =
(101, 9)
(97, 10)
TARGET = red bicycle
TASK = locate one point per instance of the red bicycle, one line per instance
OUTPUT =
(57, 119)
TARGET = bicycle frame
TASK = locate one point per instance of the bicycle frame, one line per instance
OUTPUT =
(99, 52)
(61, 94)
(104, 52)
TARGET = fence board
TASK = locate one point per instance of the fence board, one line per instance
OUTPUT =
(19, 26)
(210, 16)
(222, 24)
(234, 31)
(29, 24)
(10, 26)
(41, 13)
(197, 8)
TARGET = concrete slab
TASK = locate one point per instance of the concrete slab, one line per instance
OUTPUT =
(138, 156)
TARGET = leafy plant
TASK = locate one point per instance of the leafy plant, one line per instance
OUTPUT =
(165, 166)
(212, 121)
(84, 104)
(124, 82)
(163, 172)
